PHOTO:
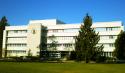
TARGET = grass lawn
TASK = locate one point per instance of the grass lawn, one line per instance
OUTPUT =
(11, 67)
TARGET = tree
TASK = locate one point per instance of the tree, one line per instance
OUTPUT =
(119, 51)
(29, 53)
(86, 42)
(43, 45)
(52, 48)
(3, 23)
(53, 44)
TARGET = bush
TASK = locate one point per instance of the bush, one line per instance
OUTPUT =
(72, 55)
(101, 59)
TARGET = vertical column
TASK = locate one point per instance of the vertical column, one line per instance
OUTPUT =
(34, 39)
(4, 46)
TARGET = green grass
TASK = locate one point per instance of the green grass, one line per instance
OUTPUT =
(11, 67)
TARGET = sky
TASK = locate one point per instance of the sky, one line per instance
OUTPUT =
(19, 12)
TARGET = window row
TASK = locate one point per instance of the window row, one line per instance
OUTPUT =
(73, 37)
(64, 45)
(77, 29)
(107, 29)
(71, 45)
(16, 45)
(67, 45)
(63, 38)
(108, 54)
(16, 39)
(63, 30)
(108, 45)
(16, 51)
(111, 45)
(108, 37)
(17, 31)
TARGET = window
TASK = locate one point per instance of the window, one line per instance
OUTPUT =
(64, 37)
(108, 28)
(111, 45)
(15, 31)
(100, 29)
(50, 31)
(17, 45)
(55, 30)
(107, 54)
(112, 28)
(111, 37)
(67, 45)
(115, 28)
(16, 51)
(71, 30)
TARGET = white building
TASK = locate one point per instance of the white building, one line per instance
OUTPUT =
(21, 40)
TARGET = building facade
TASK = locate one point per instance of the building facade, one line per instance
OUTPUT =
(34, 38)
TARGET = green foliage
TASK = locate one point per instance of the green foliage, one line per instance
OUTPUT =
(53, 44)
(86, 42)
(3, 22)
(72, 55)
(29, 53)
(43, 45)
(101, 59)
(119, 51)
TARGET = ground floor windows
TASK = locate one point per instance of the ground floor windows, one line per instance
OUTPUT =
(108, 54)
(54, 54)
(63, 54)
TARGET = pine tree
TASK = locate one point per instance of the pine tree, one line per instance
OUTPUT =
(119, 51)
(3, 23)
(86, 42)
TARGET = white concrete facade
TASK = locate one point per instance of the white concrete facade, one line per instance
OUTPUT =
(19, 39)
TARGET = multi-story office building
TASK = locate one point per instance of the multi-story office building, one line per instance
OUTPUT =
(21, 40)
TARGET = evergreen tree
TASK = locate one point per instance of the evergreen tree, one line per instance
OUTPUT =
(119, 51)
(86, 42)
(3, 23)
